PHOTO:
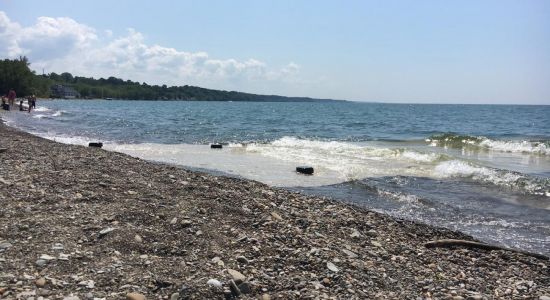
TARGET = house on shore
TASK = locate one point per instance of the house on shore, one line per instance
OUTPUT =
(64, 92)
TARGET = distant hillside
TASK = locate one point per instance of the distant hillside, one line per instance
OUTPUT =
(17, 74)
(117, 88)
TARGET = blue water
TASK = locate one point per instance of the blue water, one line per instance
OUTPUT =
(203, 122)
(480, 169)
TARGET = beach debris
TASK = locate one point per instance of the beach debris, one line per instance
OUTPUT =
(216, 146)
(305, 170)
(95, 144)
(446, 243)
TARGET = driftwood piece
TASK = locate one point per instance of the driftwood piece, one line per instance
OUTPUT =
(471, 244)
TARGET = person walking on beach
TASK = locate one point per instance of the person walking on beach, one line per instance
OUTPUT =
(33, 98)
(29, 102)
(11, 98)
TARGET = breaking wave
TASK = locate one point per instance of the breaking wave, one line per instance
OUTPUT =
(504, 178)
(541, 147)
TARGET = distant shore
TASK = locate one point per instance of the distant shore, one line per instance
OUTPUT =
(86, 223)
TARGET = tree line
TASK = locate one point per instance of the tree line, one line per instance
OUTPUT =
(17, 74)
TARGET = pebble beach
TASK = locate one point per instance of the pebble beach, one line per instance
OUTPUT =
(84, 223)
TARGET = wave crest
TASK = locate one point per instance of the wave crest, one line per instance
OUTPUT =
(461, 141)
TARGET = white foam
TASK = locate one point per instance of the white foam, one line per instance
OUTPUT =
(73, 140)
(516, 146)
(350, 161)
(421, 157)
(457, 168)
(39, 116)
(42, 109)
(58, 113)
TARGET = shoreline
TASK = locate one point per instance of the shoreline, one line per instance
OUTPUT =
(99, 224)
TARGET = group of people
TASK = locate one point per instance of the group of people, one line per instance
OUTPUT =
(8, 102)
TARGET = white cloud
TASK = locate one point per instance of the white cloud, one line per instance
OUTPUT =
(62, 44)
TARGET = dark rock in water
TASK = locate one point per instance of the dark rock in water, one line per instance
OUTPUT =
(95, 144)
(305, 170)
(216, 146)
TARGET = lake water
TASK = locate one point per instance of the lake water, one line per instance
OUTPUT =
(480, 169)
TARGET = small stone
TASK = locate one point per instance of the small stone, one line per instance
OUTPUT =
(71, 298)
(276, 216)
(265, 297)
(372, 233)
(87, 283)
(131, 192)
(41, 262)
(174, 221)
(375, 243)
(106, 231)
(47, 257)
(5, 245)
(199, 232)
(544, 297)
(242, 259)
(236, 275)
(43, 292)
(326, 281)
(40, 282)
(234, 288)
(138, 238)
(245, 288)
(332, 267)
(175, 296)
(355, 234)
(135, 296)
(58, 246)
(349, 253)
(214, 282)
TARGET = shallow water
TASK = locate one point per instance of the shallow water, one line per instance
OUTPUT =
(480, 169)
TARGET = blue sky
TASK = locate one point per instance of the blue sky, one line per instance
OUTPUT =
(390, 51)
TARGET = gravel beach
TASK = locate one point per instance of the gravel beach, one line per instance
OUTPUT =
(84, 223)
